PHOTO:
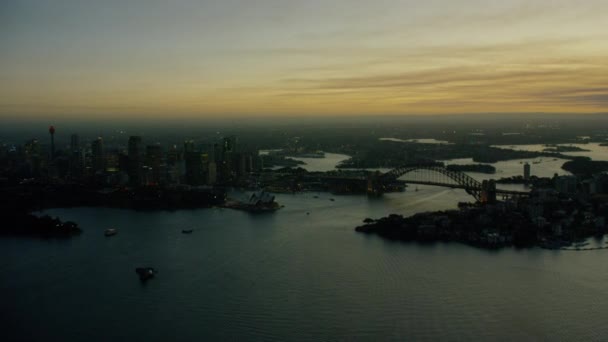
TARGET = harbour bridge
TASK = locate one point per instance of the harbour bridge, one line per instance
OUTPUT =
(438, 175)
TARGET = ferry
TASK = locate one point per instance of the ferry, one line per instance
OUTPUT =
(145, 273)
(110, 232)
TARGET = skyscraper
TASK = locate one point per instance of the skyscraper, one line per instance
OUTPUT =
(33, 157)
(74, 143)
(135, 160)
(189, 146)
(526, 171)
(76, 157)
(154, 157)
(98, 156)
(230, 144)
(52, 133)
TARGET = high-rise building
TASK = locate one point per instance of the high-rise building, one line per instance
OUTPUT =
(74, 143)
(135, 160)
(189, 146)
(174, 165)
(76, 158)
(33, 157)
(154, 160)
(229, 160)
(98, 155)
(212, 173)
(195, 173)
(52, 133)
(217, 153)
(526, 171)
(229, 144)
(173, 155)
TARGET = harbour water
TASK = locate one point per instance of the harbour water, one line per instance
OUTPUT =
(300, 274)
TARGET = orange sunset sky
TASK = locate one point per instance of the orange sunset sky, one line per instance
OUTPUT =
(271, 57)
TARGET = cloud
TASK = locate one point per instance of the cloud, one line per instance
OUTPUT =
(596, 99)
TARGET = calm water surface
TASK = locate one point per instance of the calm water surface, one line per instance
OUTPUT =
(292, 276)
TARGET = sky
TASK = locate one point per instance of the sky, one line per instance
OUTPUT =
(233, 58)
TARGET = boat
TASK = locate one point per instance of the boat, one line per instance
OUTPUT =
(110, 232)
(331, 199)
(145, 273)
(187, 231)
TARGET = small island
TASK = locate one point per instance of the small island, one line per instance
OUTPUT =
(563, 148)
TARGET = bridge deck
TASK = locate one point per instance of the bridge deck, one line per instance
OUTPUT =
(459, 186)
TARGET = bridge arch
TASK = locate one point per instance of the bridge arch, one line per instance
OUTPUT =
(461, 180)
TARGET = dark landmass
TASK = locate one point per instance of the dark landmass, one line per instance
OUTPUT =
(584, 166)
(31, 197)
(23, 224)
(480, 168)
(537, 182)
(272, 160)
(500, 225)
(562, 148)
(388, 154)
(290, 180)
(17, 202)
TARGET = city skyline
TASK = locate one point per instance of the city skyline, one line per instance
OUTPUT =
(214, 59)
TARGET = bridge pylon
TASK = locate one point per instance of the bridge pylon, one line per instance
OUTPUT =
(488, 191)
(374, 185)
